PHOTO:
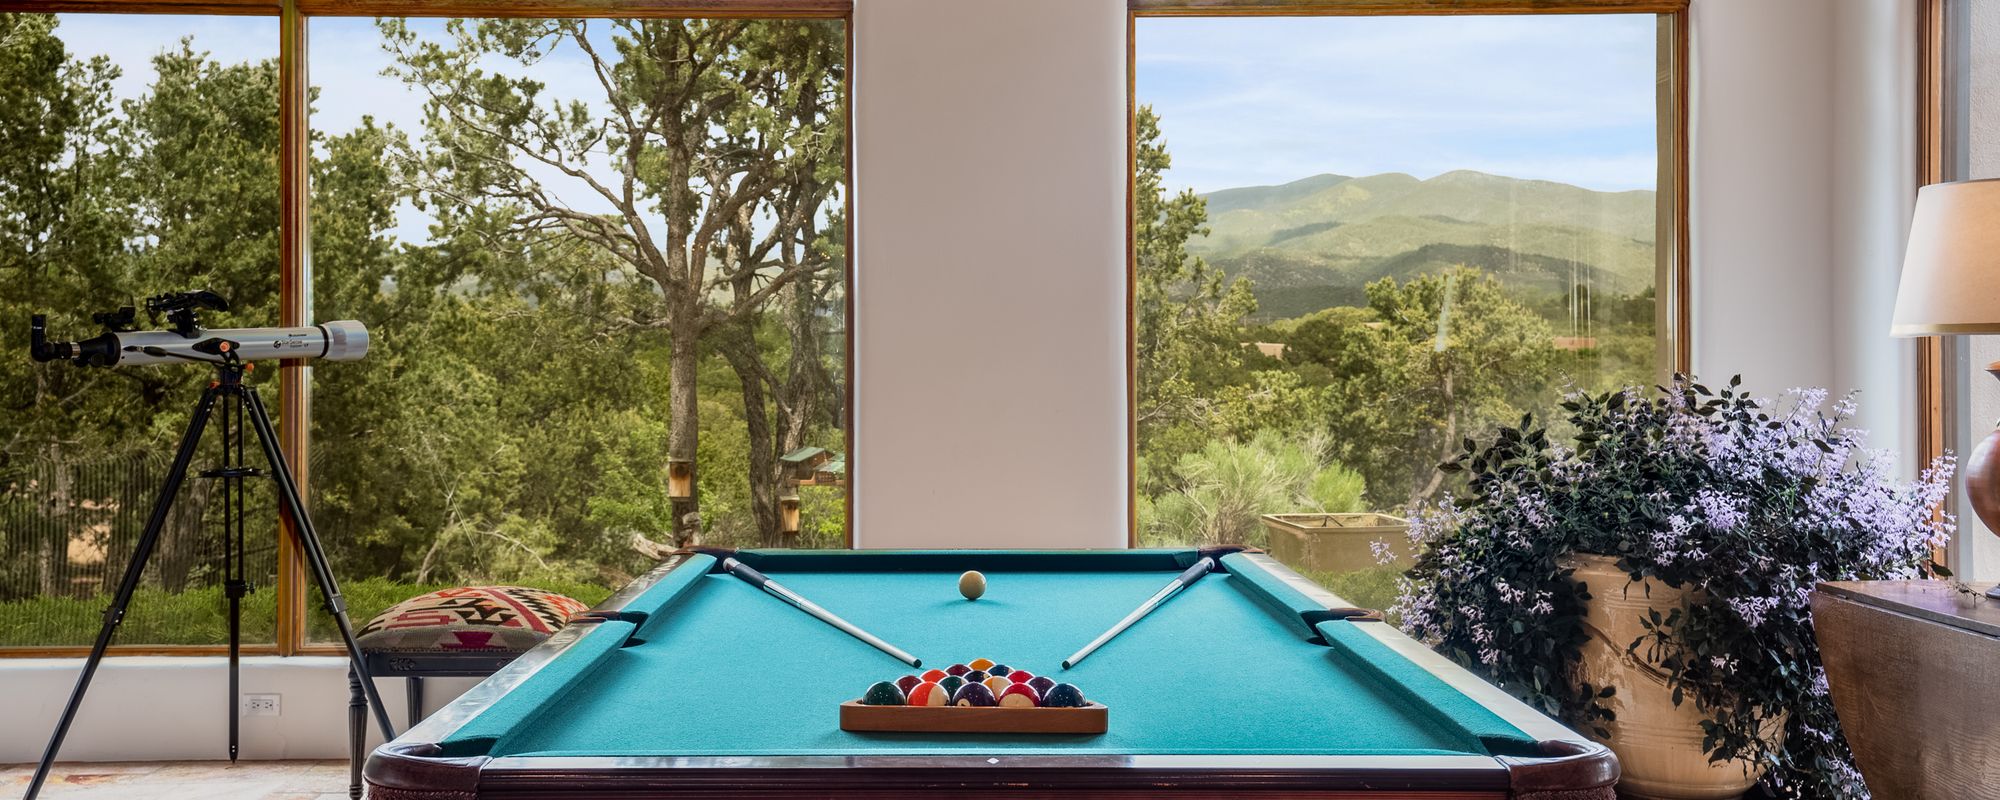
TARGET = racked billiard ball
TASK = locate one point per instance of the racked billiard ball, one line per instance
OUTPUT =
(1020, 676)
(933, 675)
(883, 693)
(980, 664)
(908, 682)
(1042, 684)
(997, 684)
(929, 694)
(951, 684)
(1019, 695)
(974, 694)
(957, 669)
(1063, 695)
(972, 585)
(976, 676)
(999, 669)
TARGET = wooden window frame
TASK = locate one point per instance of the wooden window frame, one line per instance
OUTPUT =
(295, 224)
(1675, 316)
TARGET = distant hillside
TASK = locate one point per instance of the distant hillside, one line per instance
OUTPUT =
(1317, 241)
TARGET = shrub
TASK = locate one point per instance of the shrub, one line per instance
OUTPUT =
(1750, 502)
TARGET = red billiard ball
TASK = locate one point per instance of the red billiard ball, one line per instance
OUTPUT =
(1020, 676)
(958, 669)
(933, 676)
(1020, 695)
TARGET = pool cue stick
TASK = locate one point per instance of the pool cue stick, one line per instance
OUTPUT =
(1173, 587)
(775, 589)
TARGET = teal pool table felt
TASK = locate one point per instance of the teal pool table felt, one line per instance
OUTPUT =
(714, 666)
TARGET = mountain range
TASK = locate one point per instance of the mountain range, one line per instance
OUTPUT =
(1316, 242)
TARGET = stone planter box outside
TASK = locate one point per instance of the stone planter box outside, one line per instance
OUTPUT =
(1337, 542)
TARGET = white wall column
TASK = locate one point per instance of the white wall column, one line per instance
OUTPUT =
(990, 389)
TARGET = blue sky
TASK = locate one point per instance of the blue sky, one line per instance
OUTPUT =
(1265, 100)
(1244, 101)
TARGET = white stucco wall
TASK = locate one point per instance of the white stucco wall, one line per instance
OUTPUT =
(990, 273)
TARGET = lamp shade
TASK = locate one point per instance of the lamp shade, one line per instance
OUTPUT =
(1951, 271)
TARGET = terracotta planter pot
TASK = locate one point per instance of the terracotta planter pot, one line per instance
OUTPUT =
(1658, 744)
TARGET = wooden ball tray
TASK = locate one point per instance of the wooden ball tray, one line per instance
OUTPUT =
(1090, 718)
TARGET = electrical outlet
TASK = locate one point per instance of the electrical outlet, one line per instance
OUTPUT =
(260, 705)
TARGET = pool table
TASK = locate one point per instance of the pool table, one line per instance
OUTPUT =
(1253, 680)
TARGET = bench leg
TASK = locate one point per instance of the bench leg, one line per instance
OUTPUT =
(357, 732)
(416, 694)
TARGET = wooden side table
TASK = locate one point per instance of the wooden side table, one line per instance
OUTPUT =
(1914, 667)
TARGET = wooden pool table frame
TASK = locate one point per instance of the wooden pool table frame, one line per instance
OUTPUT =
(413, 766)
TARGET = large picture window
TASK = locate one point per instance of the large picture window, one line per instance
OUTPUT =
(1359, 240)
(140, 156)
(593, 249)
(603, 263)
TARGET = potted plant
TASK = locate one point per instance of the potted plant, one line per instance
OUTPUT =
(1648, 579)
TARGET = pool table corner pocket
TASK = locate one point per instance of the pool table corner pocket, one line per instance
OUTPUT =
(1565, 770)
(403, 770)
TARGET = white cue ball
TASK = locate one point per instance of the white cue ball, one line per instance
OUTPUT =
(972, 585)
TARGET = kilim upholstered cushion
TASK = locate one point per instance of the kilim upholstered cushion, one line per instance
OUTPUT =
(469, 618)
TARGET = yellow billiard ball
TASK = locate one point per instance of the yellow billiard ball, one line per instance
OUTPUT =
(972, 585)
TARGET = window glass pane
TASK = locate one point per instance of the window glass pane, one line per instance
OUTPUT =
(1362, 239)
(588, 251)
(1977, 400)
(138, 155)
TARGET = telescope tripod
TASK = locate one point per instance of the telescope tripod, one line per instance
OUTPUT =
(238, 403)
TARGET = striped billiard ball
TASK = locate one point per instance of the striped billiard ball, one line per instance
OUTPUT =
(997, 684)
(929, 694)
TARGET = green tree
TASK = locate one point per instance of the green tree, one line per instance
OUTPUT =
(1187, 318)
(724, 141)
(1464, 356)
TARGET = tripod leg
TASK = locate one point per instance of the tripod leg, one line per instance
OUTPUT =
(235, 649)
(234, 577)
(134, 570)
(308, 542)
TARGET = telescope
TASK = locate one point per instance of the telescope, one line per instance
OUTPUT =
(123, 345)
(230, 352)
